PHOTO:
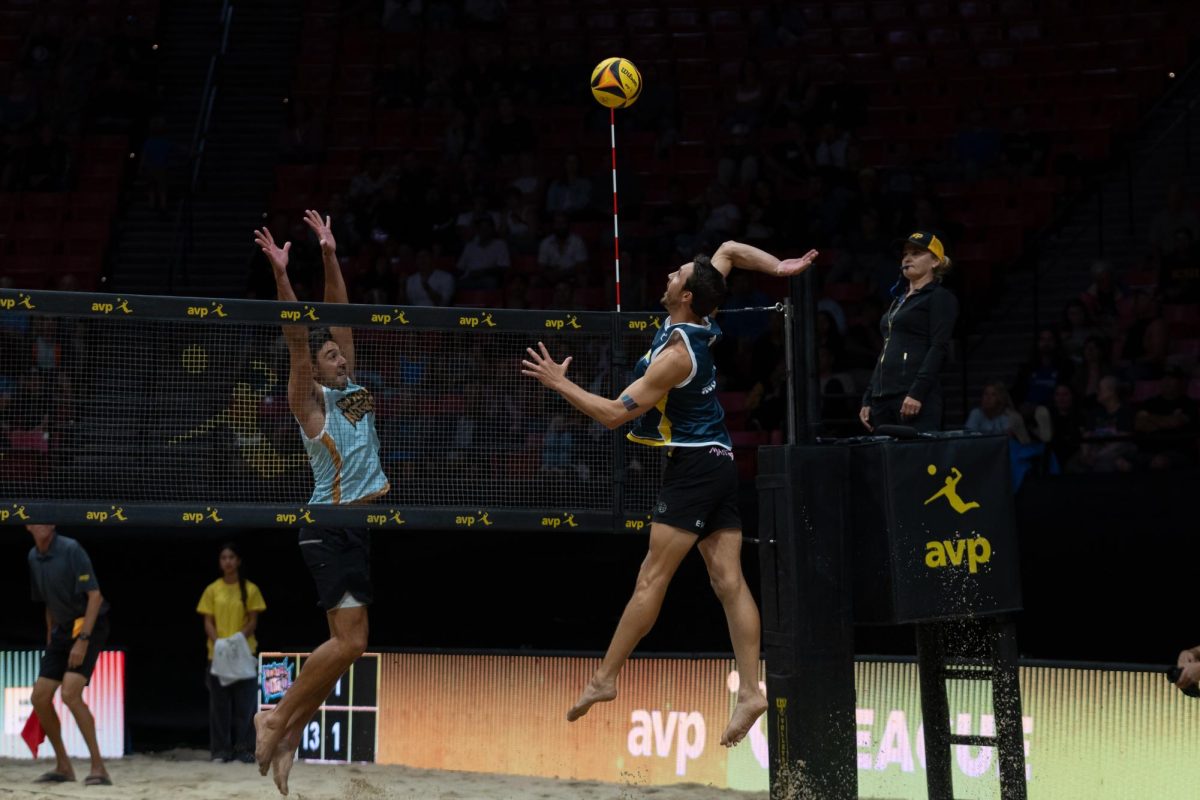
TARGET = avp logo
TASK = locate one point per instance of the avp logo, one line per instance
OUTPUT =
(564, 519)
(300, 516)
(571, 321)
(16, 512)
(392, 516)
(116, 513)
(644, 324)
(951, 552)
(107, 308)
(214, 308)
(23, 301)
(210, 514)
(387, 319)
(484, 318)
(469, 521)
(950, 491)
(636, 524)
(294, 315)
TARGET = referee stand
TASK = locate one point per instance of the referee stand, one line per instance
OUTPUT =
(882, 531)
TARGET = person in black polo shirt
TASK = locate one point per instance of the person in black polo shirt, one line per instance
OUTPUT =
(904, 388)
(62, 577)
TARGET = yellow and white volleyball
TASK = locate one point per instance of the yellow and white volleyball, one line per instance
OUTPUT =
(616, 83)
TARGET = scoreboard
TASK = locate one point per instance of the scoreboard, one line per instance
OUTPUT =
(345, 728)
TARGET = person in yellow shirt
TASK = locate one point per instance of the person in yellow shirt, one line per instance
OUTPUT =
(230, 605)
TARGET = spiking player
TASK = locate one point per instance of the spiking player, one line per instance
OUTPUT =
(674, 401)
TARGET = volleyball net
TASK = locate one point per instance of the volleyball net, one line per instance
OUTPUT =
(140, 410)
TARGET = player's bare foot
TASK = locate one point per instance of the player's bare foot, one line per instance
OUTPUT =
(281, 765)
(265, 741)
(745, 713)
(593, 693)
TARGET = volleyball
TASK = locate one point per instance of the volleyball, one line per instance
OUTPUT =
(616, 83)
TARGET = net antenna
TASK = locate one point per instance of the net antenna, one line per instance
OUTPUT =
(612, 126)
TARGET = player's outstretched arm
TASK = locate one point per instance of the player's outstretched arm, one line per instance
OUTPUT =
(335, 284)
(302, 389)
(743, 256)
(670, 367)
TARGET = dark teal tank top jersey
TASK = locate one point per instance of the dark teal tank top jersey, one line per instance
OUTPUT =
(689, 415)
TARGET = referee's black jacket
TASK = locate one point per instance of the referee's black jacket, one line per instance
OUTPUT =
(916, 335)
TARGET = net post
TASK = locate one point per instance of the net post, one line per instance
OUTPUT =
(612, 126)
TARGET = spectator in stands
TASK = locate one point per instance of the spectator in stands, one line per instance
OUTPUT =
(1024, 148)
(1107, 428)
(343, 225)
(1077, 328)
(831, 146)
(1176, 214)
(562, 255)
(570, 192)
(1145, 311)
(795, 99)
(743, 294)
(366, 186)
(1094, 366)
(510, 134)
(484, 15)
(793, 158)
(1045, 369)
(1179, 270)
(1103, 295)
(152, 168)
(484, 259)
(766, 403)
(748, 100)
(480, 207)
(19, 108)
(1066, 423)
(977, 146)
(1151, 365)
(1172, 422)
(302, 139)
(864, 341)
(529, 176)
(428, 285)
(838, 397)
(722, 216)
(996, 414)
(516, 293)
(518, 221)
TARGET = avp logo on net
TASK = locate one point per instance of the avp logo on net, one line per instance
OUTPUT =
(116, 513)
(644, 324)
(214, 308)
(302, 515)
(107, 308)
(562, 520)
(209, 514)
(382, 520)
(476, 320)
(571, 321)
(396, 316)
(294, 315)
(16, 512)
(465, 521)
(22, 301)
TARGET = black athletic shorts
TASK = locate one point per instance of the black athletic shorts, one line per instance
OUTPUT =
(699, 490)
(54, 662)
(340, 562)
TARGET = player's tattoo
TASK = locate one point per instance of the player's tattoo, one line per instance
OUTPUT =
(629, 403)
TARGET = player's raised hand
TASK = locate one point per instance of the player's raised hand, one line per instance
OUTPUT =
(544, 368)
(794, 266)
(278, 256)
(322, 228)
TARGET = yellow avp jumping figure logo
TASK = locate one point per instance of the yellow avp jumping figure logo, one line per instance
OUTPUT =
(23, 301)
(950, 491)
(974, 551)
